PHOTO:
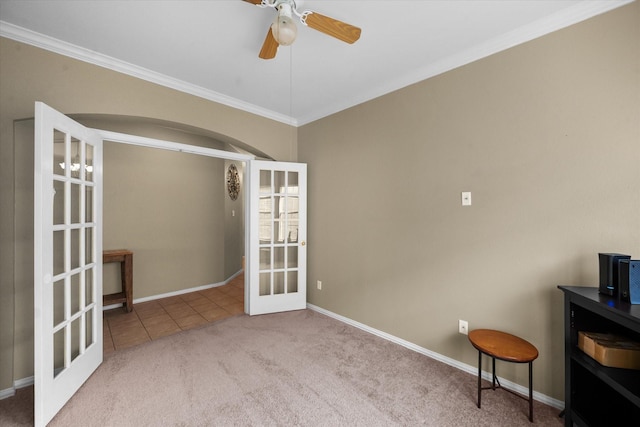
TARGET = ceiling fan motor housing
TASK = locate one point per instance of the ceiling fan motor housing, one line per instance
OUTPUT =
(283, 28)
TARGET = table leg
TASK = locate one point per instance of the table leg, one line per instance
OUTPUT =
(531, 391)
(127, 280)
(493, 373)
(479, 376)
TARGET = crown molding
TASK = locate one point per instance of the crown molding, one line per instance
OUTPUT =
(51, 44)
(562, 19)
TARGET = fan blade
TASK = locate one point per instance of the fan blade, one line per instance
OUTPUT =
(332, 27)
(269, 47)
(256, 2)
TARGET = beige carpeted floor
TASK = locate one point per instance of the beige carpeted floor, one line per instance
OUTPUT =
(289, 369)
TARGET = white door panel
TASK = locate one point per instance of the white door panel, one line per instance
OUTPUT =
(67, 259)
(277, 236)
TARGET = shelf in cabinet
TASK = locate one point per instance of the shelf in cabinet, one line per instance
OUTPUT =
(624, 381)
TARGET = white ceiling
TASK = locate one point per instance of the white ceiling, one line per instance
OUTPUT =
(210, 48)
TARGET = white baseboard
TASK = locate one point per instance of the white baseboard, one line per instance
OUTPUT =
(547, 400)
(174, 293)
(7, 392)
(24, 382)
(18, 384)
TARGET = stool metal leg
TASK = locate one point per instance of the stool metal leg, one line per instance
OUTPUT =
(531, 391)
(479, 376)
(493, 373)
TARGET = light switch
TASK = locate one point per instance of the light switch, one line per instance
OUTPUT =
(466, 198)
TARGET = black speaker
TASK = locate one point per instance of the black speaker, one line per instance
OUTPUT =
(609, 272)
(629, 280)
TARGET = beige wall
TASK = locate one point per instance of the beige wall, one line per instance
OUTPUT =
(234, 226)
(181, 239)
(545, 135)
(29, 74)
(165, 206)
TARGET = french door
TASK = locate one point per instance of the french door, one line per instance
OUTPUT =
(67, 259)
(68, 247)
(277, 237)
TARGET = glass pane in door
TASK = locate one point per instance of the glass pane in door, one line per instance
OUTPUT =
(75, 294)
(58, 302)
(75, 158)
(88, 287)
(89, 163)
(58, 202)
(74, 235)
(58, 252)
(292, 183)
(278, 257)
(265, 224)
(265, 181)
(292, 256)
(279, 183)
(265, 258)
(88, 245)
(75, 203)
(278, 282)
(88, 316)
(292, 282)
(88, 209)
(265, 284)
(75, 338)
(58, 352)
(59, 162)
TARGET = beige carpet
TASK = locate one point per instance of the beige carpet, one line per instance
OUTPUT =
(289, 369)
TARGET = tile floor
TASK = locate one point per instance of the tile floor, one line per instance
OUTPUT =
(158, 318)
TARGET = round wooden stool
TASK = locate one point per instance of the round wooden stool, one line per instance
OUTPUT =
(507, 347)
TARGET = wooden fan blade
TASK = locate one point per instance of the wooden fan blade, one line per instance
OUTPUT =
(332, 27)
(256, 2)
(269, 47)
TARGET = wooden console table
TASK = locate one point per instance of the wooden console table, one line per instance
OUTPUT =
(125, 258)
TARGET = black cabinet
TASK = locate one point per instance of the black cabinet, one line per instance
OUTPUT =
(596, 395)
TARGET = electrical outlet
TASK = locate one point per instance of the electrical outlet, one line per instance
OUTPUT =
(319, 284)
(463, 327)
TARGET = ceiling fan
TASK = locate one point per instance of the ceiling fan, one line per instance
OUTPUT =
(283, 31)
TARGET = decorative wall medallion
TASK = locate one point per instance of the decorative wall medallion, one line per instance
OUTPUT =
(233, 181)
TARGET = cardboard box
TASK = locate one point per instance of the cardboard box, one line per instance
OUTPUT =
(610, 350)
